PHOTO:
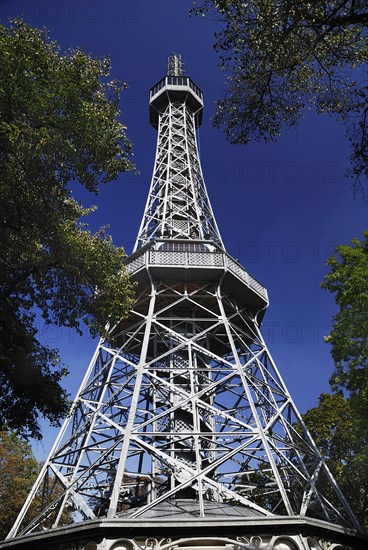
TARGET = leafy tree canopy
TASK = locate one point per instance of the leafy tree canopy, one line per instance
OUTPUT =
(18, 471)
(59, 123)
(339, 423)
(335, 428)
(348, 281)
(280, 56)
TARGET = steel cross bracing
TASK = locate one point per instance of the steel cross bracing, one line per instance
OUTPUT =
(183, 404)
(177, 206)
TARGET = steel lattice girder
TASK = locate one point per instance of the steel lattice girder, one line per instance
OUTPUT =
(185, 402)
(177, 206)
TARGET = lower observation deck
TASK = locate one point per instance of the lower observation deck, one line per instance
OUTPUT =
(196, 261)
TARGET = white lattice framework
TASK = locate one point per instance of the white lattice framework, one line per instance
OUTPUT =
(186, 404)
(183, 404)
(177, 206)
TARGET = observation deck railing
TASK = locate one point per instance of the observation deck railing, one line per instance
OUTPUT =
(176, 81)
(193, 259)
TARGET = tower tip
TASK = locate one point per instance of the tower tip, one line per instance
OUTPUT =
(175, 65)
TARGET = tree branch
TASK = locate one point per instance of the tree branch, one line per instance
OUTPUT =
(343, 20)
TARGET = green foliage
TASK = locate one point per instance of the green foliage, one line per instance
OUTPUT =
(18, 471)
(280, 56)
(339, 423)
(59, 123)
(335, 428)
(348, 281)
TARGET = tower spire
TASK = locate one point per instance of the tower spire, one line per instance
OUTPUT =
(175, 65)
(183, 434)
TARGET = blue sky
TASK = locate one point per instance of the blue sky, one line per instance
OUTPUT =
(281, 208)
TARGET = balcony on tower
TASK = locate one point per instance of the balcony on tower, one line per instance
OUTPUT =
(173, 88)
(197, 261)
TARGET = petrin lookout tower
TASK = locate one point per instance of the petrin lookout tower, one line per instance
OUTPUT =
(183, 434)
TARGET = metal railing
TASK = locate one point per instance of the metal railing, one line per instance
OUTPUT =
(176, 81)
(209, 259)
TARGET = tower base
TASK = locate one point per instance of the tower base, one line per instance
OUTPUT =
(181, 531)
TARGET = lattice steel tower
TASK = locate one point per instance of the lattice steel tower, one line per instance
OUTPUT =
(183, 433)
